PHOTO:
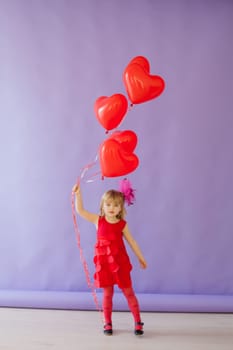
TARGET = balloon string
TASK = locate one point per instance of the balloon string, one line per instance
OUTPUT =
(78, 239)
(91, 178)
(87, 167)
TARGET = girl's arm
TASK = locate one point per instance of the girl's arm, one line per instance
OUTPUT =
(80, 209)
(134, 246)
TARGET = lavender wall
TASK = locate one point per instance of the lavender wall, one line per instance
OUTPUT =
(56, 58)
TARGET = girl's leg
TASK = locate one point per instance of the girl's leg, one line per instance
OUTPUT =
(132, 302)
(107, 303)
(134, 308)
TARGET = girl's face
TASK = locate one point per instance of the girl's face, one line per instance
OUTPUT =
(111, 208)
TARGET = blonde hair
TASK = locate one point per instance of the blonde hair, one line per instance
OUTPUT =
(116, 197)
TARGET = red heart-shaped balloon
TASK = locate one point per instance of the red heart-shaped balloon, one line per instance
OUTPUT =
(142, 61)
(110, 111)
(127, 138)
(114, 160)
(140, 85)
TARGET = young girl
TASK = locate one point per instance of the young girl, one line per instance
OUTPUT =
(111, 259)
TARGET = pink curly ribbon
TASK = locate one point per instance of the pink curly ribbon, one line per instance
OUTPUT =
(78, 239)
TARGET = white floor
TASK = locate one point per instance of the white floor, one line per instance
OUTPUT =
(30, 329)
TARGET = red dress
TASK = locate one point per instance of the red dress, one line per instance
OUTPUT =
(111, 259)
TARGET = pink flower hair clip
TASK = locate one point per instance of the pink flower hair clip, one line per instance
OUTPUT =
(128, 191)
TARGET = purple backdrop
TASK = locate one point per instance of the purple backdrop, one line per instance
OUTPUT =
(56, 58)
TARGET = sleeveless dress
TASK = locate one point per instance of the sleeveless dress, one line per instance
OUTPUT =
(112, 263)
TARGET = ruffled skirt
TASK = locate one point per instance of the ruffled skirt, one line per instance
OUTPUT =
(112, 265)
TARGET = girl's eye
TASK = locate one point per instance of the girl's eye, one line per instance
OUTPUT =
(108, 204)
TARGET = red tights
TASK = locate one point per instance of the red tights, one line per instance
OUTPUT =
(131, 299)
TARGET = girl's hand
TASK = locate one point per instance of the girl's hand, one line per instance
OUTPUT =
(76, 189)
(143, 263)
